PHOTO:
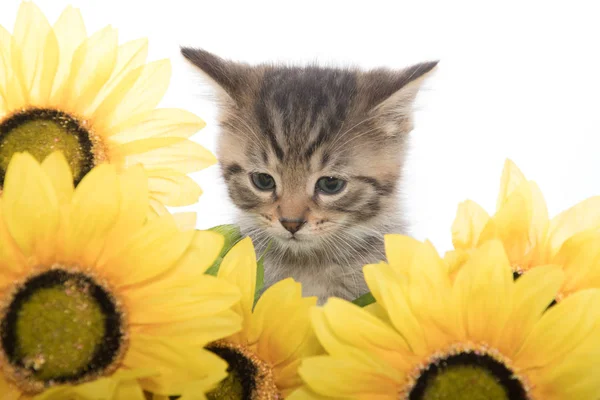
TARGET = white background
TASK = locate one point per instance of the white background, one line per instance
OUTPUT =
(516, 79)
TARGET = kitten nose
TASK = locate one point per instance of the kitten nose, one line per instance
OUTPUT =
(293, 225)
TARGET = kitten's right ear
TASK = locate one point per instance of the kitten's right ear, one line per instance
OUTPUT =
(228, 77)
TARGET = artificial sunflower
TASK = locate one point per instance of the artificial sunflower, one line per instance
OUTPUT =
(94, 301)
(529, 237)
(264, 356)
(481, 335)
(94, 100)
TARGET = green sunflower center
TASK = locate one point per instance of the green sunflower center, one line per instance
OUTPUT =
(249, 378)
(43, 131)
(60, 327)
(468, 376)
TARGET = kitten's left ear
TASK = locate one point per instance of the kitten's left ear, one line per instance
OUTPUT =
(392, 93)
(231, 79)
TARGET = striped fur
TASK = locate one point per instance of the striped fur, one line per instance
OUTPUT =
(302, 123)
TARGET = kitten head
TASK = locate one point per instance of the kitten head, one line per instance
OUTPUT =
(312, 155)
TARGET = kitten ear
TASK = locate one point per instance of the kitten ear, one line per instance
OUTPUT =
(392, 93)
(229, 78)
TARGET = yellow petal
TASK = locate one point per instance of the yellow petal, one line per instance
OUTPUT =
(59, 173)
(143, 146)
(392, 296)
(12, 261)
(483, 286)
(173, 188)
(532, 294)
(143, 96)
(580, 259)
(561, 329)
(34, 54)
(183, 157)
(177, 364)
(470, 220)
(353, 326)
(206, 329)
(92, 65)
(130, 390)
(579, 218)
(239, 268)
(283, 343)
(162, 122)
(70, 32)
(348, 379)
(512, 177)
(399, 250)
(512, 224)
(94, 211)
(5, 67)
(130, 56)
(185, 220)
(150, 252)
(181, 301)
(30, 207)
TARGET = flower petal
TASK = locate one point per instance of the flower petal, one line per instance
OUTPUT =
(239, 268)
(59, 173)
(483, 286)
(207, 296)
(349, 379)
(162, 122)
(352, 326)
(532, 294)
(178, 364)
(30, 207)
(579, 218)
(70, 32)
(391, 294)
(470, 220)
(173, 188)
(94, 210)
(157, 246)
(34, 54)
(399, 250)
(184, 157)
(92, 65)
(561, 329)
(512, 177)
(130, 57)
(144, 95)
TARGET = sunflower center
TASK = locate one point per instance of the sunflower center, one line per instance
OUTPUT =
(60, 327)
(43, 131)
(249, 377)
(468, 375)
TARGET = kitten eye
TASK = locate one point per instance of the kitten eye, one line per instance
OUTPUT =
(262, 181)
(330, 185)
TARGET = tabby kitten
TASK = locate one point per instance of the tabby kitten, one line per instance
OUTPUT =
(313, 157)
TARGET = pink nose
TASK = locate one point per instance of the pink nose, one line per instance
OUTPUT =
(292, 225)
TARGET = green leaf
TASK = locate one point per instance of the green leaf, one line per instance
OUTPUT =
(232, 235)
(364, 300)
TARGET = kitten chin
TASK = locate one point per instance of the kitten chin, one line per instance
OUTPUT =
(312, 158)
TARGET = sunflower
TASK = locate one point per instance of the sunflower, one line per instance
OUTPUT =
(264, 356)
(94, 100)
(529, 237)
(96, 301)
(482, 335)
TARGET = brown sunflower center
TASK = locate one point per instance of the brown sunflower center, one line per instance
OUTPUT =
(467, 375)
(43, 131)
(60, 327)
(250, 378)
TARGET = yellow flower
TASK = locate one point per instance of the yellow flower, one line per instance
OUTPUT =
(479, 336)
(275, 336)
(93, 299)
(95, 101)
(529, 237)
